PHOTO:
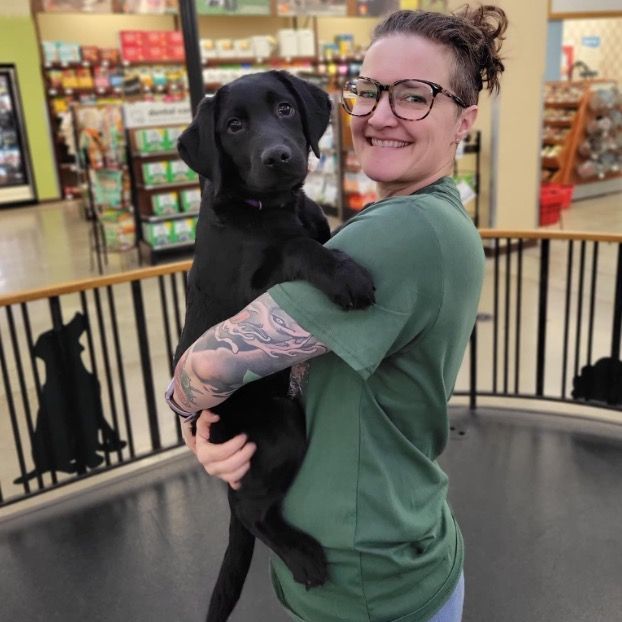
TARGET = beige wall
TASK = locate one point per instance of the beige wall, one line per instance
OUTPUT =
(607, 58)
(99, 30)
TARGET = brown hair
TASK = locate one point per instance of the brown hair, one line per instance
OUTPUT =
(474, 36)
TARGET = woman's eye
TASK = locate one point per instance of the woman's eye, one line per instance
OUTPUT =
(234, 125)
(285, 110)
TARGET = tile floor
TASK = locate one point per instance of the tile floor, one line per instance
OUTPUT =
(51, 243)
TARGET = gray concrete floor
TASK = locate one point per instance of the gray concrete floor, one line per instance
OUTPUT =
(537, 497)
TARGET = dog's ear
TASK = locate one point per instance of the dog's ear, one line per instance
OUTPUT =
(197, 145)
(314, 105)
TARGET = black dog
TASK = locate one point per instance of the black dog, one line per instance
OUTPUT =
(256, 228)
(70, 419)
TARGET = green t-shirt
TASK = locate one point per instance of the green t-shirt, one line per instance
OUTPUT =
(370, 489)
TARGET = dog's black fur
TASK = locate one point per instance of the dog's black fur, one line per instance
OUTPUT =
(252, 141)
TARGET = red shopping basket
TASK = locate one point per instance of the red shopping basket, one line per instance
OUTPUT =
(554, 198)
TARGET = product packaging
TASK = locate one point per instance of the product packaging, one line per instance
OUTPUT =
(288, 42)
(164, 203)
(155, 173)
(171, 136)
(178, 171)
(158, 233)
(151, 140)
(190, 200)
(184, 230)
(306, 42)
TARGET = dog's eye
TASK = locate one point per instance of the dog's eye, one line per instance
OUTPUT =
(285, 110)
(234, 125)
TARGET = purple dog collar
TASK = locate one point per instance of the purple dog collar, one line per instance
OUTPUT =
(253, 203)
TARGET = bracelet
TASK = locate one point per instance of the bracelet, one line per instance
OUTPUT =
(186, 415)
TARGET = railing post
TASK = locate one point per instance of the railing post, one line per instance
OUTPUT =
(473, 369)
(542, 312)
(145, 363)
(616, 331)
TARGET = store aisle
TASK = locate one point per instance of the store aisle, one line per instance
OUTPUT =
(51, 243)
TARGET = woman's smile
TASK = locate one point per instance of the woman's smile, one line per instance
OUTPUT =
(388, 142)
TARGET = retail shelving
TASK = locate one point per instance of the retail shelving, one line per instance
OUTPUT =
(165, 193)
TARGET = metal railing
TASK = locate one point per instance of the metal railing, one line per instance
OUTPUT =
(65, 416)
(550, 320)
(549, 329)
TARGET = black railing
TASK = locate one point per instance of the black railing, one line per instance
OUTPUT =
(549, 329)
(65, 416)
(550, 320)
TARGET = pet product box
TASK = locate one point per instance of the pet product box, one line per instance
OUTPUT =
(152, 139)
(306, 42)
(158, 233)
(164, 203)
(171, 136)
(155, 173)
(190, 200)
(184, 230)
(178, 171)
(288, 42)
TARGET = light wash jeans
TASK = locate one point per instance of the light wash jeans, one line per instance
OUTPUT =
(451, 611)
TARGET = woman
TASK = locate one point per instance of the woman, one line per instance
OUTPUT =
(376, 390)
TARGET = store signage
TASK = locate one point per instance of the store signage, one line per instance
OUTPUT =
(590, 42)
(147, 114)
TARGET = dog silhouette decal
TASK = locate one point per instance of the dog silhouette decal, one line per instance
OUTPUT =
(601, 382)
(70, 417)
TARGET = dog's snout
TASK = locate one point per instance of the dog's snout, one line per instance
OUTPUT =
(275, 157)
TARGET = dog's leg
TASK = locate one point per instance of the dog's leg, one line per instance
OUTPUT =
(345, 282)
(302, 554)
(233, 571)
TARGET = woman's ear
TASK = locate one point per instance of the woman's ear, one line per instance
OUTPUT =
(465, 122)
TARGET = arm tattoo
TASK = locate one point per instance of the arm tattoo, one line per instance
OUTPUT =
(260, 340)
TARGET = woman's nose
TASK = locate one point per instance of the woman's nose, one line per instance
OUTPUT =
(383, 114)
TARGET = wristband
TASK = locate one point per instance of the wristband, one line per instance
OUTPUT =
(174, 406)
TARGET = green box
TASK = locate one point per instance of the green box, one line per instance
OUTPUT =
(190, 200)
(178, 171)
(184, 230)
(164, 203)
(158, 233)
(155, 173)
(151, 140)
(172, 134)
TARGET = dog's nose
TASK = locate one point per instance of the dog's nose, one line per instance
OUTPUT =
(275, 157)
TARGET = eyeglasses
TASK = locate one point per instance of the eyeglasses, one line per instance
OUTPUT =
(410, 100)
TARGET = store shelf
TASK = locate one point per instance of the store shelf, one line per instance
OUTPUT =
(165, 217)
(169, 186)
(152, 254)
(155, 154)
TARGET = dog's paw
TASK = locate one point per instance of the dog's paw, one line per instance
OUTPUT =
(352, 286)
(307, 563)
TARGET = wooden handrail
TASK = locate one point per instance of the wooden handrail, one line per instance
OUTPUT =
(546, 234)
(71, 287)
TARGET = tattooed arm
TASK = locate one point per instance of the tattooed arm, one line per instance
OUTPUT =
(258, 341)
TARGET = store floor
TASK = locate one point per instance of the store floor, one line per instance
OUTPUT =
(51, 243)
(537, 497)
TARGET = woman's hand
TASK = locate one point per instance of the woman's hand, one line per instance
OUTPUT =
(228, 461)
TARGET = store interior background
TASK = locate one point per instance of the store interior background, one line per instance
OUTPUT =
(511, 123)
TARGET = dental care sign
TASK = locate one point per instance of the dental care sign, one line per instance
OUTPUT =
(148, 114)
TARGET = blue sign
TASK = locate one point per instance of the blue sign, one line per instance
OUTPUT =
(590, 42)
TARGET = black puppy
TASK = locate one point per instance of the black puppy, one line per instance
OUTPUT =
(257, 228)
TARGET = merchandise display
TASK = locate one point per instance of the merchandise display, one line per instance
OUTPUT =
(16, 182)
(101, 156)
(166, 192)
(582, 137)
